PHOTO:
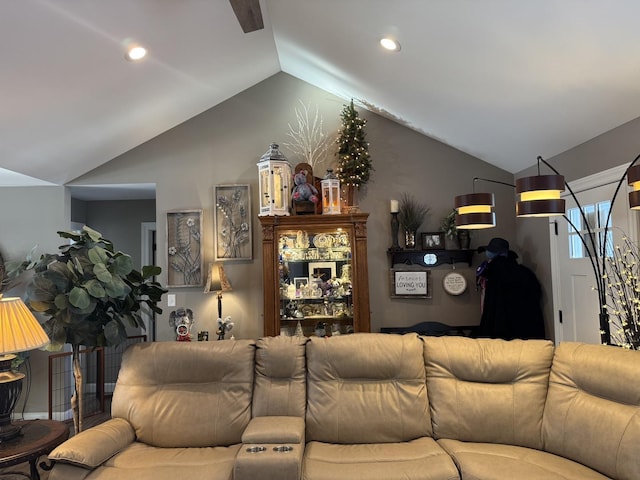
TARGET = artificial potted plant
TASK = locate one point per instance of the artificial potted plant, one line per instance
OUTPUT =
(411, 214)
(89, 293)
(450, 230)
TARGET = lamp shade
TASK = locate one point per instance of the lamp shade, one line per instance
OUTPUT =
(474, 211)
(19, 329)
(217, 280)
(633, 178)
(540, 196)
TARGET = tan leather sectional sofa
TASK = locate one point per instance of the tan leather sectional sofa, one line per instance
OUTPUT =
(366, 406)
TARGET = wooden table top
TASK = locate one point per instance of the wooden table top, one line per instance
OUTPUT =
(39, 437)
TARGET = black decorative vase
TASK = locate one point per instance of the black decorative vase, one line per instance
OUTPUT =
(463, 239)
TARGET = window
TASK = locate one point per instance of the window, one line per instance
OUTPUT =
(596, 216)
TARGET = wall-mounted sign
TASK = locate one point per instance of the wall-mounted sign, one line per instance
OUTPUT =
(410, 283)
(454, 283)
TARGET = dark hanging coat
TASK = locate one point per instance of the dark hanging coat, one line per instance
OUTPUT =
(512, 301)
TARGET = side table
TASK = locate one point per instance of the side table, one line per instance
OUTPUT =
(39, 437)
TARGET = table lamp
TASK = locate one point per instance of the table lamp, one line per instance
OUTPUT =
(19, 332)
(217, 282)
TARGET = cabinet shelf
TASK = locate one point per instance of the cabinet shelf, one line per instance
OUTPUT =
(315, 318)
(429, 258)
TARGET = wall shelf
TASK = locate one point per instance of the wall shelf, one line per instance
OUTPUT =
(429, 258)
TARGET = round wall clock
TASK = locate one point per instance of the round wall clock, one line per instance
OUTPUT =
(454, 283)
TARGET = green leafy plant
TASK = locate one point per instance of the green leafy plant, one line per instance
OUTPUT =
(411, 213)
(449, 224)
(89, 293)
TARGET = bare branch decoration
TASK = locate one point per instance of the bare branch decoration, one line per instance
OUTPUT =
(308, 139)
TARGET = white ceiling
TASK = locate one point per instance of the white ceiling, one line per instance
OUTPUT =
(502, 80)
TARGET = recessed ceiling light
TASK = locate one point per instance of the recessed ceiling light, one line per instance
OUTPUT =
(390, 44)
(135, 52)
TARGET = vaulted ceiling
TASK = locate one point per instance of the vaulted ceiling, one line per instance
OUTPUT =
(502, 80)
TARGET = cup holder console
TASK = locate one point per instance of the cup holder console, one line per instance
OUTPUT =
(283, 448)
(256, 449)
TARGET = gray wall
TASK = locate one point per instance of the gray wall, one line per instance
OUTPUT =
(118, 221)
(30, 218)
(223, 145)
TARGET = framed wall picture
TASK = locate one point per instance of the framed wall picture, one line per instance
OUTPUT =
(185, 259)
(232, 222)
(433, 241)
(406, 283)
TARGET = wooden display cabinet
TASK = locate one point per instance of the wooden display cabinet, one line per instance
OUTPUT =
(315, 272)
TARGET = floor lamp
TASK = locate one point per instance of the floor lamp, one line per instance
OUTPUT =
(19, 332)
(540, 196)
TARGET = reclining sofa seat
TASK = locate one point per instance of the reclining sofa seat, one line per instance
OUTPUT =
(367, 411)
(519, 409)
(169, 398)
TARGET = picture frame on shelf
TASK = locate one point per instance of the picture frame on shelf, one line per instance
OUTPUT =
(433, 241)
(232, 223)
(410, 283)
(185, 255)
(300, 282)
(321, 270)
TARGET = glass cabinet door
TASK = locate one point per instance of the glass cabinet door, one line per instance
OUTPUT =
(315, 286)
(315, 275)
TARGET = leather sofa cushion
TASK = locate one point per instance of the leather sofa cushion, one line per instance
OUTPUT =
(366, 388)
(488, 461)
(485, 390)
(593, 410)
(142, 462)
(195, 395)
(420, 459)
(280, 377)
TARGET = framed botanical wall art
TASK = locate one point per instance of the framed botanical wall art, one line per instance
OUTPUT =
(185, 260)
(232, 222)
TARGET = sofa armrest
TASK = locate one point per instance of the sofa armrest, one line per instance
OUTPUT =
(96, 445)
(274, 429)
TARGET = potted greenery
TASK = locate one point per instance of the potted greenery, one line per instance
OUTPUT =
(411, 214)
(449, 228)
(89, 292)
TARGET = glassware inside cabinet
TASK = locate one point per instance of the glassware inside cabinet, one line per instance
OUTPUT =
(315, 281)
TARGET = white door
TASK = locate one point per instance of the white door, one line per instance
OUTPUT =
(575, 296)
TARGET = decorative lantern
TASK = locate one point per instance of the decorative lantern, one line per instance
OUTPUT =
(330, 194)
(274, 173)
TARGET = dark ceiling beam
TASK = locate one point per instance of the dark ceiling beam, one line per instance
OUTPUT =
(249, 14)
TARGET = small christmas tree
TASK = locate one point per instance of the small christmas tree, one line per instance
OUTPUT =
(354, 161)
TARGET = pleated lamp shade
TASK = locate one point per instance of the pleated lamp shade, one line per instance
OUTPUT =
(19, 329)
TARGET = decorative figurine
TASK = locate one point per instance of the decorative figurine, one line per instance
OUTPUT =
(182, 320)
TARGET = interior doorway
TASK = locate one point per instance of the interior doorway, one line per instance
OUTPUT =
(575, 297)
(148, 256)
